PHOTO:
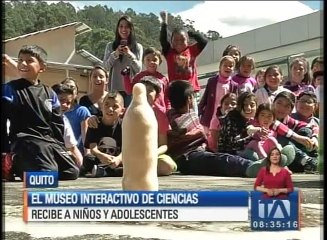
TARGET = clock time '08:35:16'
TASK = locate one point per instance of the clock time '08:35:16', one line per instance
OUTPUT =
(275, 225)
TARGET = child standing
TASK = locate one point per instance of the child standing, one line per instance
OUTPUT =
(233, 51)
(243, 78)
(318, 78)
(217, 87)
(180, 56)
(37, 137)
(300, 79)
(259, 77)
(151, 60)
(272, 78)
(166, 164)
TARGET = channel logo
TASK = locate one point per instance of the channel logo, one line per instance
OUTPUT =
(274, 209)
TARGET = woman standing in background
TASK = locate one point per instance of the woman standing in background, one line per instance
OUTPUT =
(123, 56)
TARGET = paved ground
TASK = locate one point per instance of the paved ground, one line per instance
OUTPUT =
(15, 228)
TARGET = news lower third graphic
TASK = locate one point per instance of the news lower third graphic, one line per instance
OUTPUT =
(266, 214)
(135, 206)
(273, 214)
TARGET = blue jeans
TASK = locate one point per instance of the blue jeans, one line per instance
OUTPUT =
(199, 162)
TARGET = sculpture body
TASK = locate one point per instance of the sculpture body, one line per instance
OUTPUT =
(140, 144)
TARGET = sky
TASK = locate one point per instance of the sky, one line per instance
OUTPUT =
(226, 17)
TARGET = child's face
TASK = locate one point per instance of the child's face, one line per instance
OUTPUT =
(28, 66)
(72, 85)
(317, 67)
(124, 29)
(98, 77)
(306, 106)
(265, 118)
(246, 68)
(179, 41)
(112, 109)
(273, 78)
(151, 94)
(298, 71)
(228, 104)
(235, 54)
(260, 79)
(282, 108)
(226, 68)
(275, 157)
(66, 101)
(249, 108)
(151, 62)
(319, 80)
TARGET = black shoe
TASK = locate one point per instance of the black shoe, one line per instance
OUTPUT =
(311, 166)
(98, 171)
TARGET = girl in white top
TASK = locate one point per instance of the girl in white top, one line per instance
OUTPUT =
(273, 78)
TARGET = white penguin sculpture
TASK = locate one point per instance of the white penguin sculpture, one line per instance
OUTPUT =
(140, 144)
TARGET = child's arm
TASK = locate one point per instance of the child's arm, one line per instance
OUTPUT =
(5, 146)
(84, 127)
(285, 131)
(77, 155)
(165, 45)
(57, 122)
(201, 40)
(128, 84)
(251, 130)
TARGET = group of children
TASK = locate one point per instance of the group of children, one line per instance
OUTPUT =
(230, 131)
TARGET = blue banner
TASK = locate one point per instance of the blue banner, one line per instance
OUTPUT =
(136, 199)
(40, 179)
(273, 213)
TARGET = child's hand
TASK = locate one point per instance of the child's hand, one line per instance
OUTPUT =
(164, 16)
(93, 122)
(252, 130)
(5, 58)
(114, 162)
(264, 133)
(315, 143)
(305, 141)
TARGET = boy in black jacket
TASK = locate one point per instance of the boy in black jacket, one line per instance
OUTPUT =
(36, 125)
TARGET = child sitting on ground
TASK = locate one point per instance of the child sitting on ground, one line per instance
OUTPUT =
(166, 164)
(105, 141)
(36, 125)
